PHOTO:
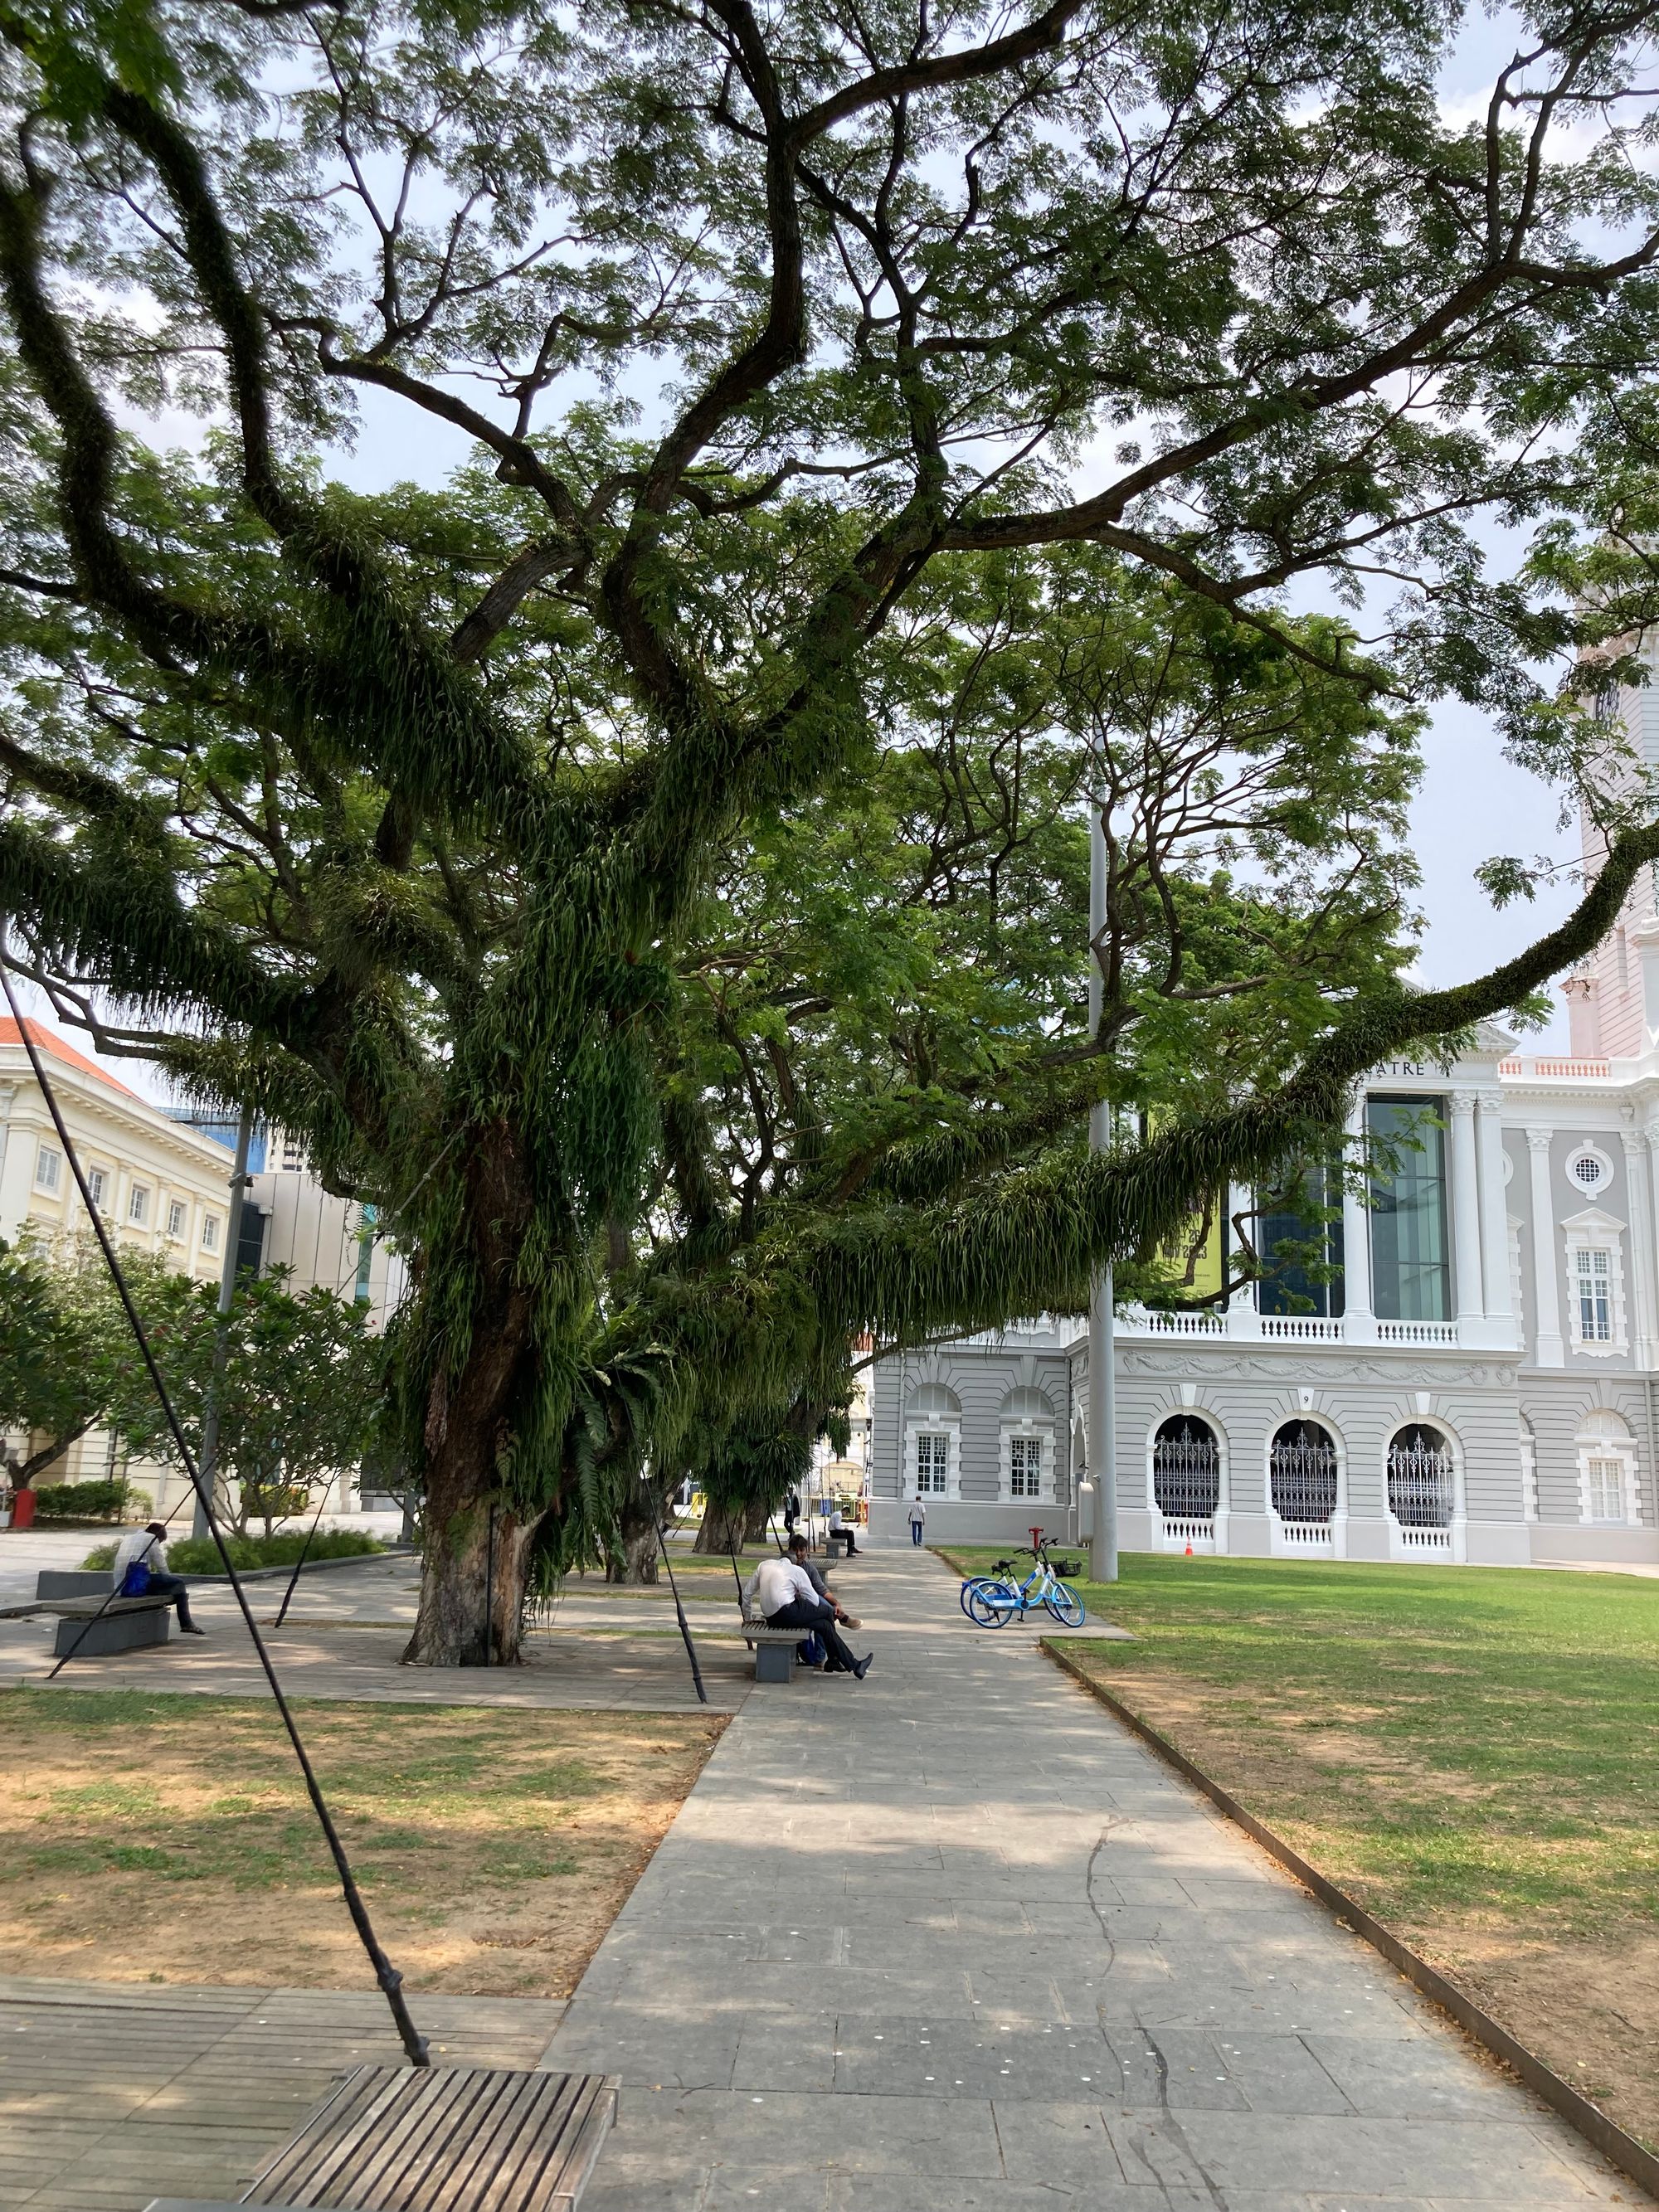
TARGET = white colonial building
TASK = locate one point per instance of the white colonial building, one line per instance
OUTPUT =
(161, 1183)
(1476, 1384)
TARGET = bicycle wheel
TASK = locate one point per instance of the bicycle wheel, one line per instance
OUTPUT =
(1065, 1606)
(987, 1604)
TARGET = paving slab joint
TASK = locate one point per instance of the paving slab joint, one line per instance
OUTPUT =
(1622, 2150)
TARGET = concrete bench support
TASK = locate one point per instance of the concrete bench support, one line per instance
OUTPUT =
(129, 1624)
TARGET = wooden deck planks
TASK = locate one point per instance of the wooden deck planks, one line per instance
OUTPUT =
(452, 2139)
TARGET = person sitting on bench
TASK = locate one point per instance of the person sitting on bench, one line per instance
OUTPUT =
(148, 1545)
(782, 1593)
(803, 1558)
(841, 1532)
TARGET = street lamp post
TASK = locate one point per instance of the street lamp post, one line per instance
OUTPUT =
(209, 1457)
(1103, 1412)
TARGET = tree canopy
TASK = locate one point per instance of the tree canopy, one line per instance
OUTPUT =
(766, 357)
(295, 1405)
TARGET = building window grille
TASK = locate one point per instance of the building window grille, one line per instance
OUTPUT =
(210, 1232)
(1302, 1473)
(1592, 1277)
(1421, 1483)
(48, 1168)
(1024, 1467)
(138, 1204)
(98, 1184)
(932, 1462)
(176, 1219)
(1604, 1485)
(1186, 1470)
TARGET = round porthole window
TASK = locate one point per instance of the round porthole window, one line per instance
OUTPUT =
(1589, 1169)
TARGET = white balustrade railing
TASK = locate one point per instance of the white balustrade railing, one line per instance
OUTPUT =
(1244, 1322)
(1160, 1323)
(1189, 1532)
(1307, 1535)
(1417, 1332)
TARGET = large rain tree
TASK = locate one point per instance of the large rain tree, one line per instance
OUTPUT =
(727, 329)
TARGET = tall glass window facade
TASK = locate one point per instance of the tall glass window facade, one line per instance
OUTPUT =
(1288, 1288)
(1411, 1266)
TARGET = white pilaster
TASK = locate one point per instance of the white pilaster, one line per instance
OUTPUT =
(1644, 1293)
(1549, 1351)
(1494, 1222)
(1465, 1216)
(1359, 1315)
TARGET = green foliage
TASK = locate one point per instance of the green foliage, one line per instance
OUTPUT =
(81, 1501)
(298, 1400)
(68, 1361)
(199, 1555)
(648, 867)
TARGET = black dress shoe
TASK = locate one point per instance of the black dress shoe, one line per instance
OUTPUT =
(863, 1667)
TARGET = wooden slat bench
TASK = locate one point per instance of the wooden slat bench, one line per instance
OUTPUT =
(440, 2139)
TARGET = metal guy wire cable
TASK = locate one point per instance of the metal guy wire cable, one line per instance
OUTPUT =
(389, 1980)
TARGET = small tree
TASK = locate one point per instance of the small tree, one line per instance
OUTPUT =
(68, 1362)
(297, 1402)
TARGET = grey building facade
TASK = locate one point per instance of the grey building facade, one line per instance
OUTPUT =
(1481, 1388)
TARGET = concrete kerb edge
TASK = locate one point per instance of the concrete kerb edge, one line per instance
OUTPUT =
(1621, 2149)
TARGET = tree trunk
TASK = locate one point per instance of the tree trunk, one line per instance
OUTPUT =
(636, 1559)
(754, 1527)
(721, 1531)
(477, 1558)
(472, 1590)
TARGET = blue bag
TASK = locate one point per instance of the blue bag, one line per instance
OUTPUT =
(135, 1581)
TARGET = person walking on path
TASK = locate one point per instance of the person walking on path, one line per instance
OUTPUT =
(148, 1548)
(781, 1591)
(791, 1512)
(918, 1519)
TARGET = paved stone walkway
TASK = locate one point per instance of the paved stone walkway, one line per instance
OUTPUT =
(952, 1938)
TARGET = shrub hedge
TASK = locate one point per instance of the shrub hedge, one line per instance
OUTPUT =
(193, 1555)
(81, 1501)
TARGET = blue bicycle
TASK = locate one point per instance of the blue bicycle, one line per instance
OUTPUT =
(989, 1603)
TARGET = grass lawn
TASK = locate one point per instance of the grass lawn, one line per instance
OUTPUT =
(1473, 1752)
(168, 1838)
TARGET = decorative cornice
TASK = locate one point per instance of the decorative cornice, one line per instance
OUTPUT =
(1280, 1368)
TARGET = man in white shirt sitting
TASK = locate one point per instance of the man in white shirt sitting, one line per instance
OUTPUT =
(782, 1594)
(841, 1532)
(150, 1544)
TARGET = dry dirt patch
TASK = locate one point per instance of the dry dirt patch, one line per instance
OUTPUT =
(168, 1838)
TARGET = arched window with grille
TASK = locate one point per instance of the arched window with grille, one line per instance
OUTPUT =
(1422, 1487)
(1302, 1474)
(1187, 1471)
